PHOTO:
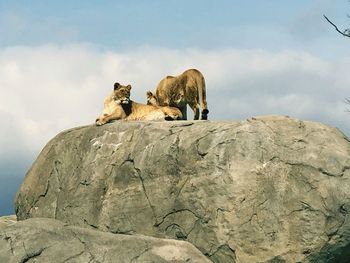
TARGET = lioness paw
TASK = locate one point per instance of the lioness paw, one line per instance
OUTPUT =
(99, 122)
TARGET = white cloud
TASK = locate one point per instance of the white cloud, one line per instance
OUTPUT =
(49, 88)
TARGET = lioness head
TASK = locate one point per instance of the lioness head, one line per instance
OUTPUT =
(151, 99)
(121, 94)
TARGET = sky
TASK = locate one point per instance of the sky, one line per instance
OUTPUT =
(59, 59)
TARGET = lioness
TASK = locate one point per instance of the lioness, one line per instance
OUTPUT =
(118, 106)
(187, 88)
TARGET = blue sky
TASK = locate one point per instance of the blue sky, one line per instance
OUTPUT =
(258, 57)
(174, 24)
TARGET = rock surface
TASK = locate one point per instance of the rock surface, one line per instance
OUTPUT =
(6, 221)
(269, 189)
(48, 240)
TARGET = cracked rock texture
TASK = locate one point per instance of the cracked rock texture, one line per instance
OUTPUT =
(268, 189)
(49, 240)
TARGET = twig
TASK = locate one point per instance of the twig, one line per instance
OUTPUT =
(347, 101)
(336, 28)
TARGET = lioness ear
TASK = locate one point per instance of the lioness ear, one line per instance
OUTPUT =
(116, 85)
(128, 87)
(149, 94)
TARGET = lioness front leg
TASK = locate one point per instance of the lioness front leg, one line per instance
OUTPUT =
(101, 120)
(183, 110)
(105, 118)
(194, 106)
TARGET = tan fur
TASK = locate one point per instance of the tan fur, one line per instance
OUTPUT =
(118, 106)
(187, 88)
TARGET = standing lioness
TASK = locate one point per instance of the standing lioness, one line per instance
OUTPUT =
(118, 106)
(187, 88)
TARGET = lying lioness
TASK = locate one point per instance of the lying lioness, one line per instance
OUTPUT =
(118, 106)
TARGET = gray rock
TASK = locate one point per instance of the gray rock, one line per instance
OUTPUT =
(269, 189)
(6, 221)
(49, 240)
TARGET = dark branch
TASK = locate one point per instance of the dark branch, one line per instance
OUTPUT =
(345, 34)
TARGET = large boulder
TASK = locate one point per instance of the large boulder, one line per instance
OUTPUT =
(51, 241)
(6, 221)
(268, 189)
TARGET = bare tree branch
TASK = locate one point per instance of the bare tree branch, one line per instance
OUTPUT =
(346, 32)
(347, 101)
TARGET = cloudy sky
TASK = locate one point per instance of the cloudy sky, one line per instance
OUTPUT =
(58, 59)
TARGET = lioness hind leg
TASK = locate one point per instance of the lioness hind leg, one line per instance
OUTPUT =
(196, 114)
(204, 114)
